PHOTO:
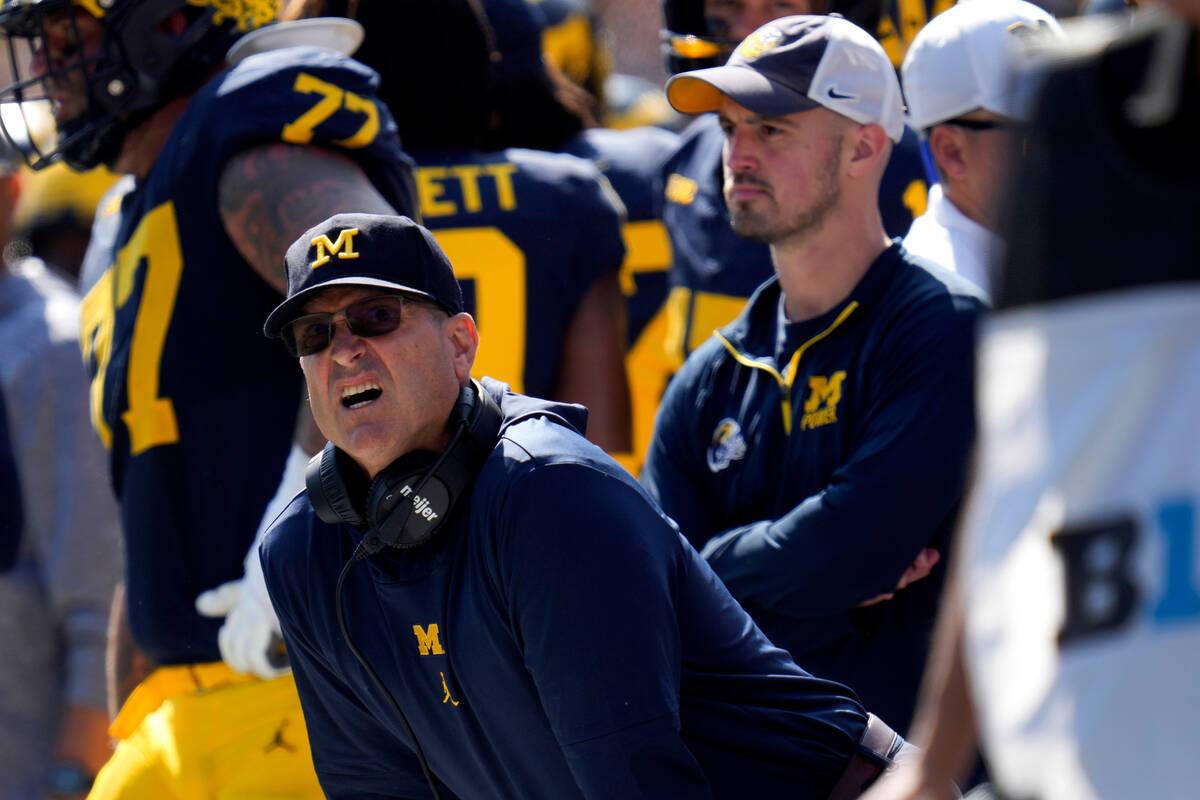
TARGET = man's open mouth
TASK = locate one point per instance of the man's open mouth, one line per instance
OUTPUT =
(360, 394)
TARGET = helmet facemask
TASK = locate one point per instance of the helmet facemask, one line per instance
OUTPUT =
(56, 61)
(101, 67)
(693, 41)
(687, 40)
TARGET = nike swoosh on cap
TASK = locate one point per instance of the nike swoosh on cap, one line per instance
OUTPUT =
(836, 95)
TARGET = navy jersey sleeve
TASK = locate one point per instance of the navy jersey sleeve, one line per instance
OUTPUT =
(852, 540)
(11, 516)
(309, 95)
(593, 587)
(354, 755)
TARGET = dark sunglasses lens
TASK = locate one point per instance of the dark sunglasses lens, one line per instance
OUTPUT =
(307, 335)
(985, 124)
(375, 316)
(312, 333)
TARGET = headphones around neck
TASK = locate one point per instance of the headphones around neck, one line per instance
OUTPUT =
(341, 494)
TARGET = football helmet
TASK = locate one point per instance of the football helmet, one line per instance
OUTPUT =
(690, 40)
(103, 66)
(687, 41)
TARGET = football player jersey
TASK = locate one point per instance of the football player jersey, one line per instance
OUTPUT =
(714, 269)
(632, 160)
(195, 405)
(528, 233)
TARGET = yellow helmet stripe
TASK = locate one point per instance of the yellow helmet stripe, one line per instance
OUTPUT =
(92, 7)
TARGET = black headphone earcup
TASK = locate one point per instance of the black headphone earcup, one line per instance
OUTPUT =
(401, 523)
(484, 422)
(434, 482)
(330, 479)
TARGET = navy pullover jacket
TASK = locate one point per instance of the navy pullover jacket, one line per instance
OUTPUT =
(811, 465)
(562, 640)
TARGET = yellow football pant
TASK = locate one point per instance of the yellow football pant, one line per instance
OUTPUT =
(202, 732)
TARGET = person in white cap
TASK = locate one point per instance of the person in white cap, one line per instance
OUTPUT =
(959, 80)
(814, 450)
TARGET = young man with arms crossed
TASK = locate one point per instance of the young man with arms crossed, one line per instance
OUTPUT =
(814, 449)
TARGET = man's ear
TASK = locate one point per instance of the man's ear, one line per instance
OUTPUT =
(869, 146)
(947, 147)
(463, 336)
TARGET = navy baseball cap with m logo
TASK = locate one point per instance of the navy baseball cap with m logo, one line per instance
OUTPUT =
(370, 251)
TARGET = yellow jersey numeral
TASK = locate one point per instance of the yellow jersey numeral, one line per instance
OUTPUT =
(496, 266)
(152, 251)
(332, 99)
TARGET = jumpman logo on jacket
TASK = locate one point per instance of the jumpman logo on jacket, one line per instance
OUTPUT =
(446, 687)
(278, 741)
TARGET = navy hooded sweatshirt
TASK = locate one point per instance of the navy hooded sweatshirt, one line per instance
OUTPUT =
(561, 639)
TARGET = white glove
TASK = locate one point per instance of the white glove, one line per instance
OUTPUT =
(250, 640)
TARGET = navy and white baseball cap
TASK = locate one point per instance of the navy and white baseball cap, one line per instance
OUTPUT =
(374, 251)
(970, 56)
(798, 63)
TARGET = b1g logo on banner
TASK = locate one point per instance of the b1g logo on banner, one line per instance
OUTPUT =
(1103, 592)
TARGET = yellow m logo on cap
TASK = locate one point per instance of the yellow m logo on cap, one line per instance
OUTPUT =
(342, 248)
(759, 42)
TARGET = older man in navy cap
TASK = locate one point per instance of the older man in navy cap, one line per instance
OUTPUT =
(528, 623)
(814, 449)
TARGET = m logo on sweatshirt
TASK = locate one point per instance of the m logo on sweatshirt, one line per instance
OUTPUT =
(824, 395)
(427, 640)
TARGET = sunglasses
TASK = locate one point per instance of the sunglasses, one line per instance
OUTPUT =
(374, 316)
(983, 124)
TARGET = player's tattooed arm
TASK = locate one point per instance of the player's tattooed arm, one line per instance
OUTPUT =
(272, 193)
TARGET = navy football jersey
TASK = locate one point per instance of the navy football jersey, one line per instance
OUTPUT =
(11, 516)
(528, 233)
(714, 269)
(632, 160)
(196, 406)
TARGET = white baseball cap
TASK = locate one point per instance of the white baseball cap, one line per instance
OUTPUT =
(795, 64)
(967, 57)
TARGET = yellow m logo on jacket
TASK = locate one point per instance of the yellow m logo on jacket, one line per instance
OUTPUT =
(823, 397)
(427, 640)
